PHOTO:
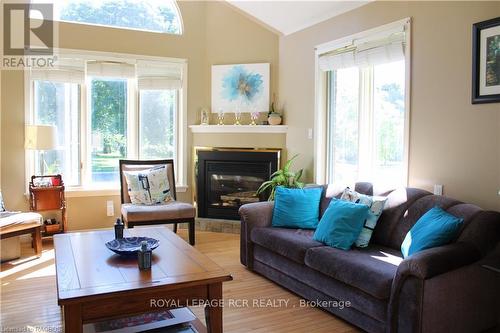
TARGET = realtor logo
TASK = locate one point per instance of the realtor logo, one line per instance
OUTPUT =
(28, 35)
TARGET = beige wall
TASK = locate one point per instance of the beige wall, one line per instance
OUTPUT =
(214, 33)
(452, 142)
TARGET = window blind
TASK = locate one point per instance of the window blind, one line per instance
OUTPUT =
(156, 76)
(385, 47)
(65, 70)
(113, 69)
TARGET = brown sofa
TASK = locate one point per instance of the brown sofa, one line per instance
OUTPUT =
(443, 289)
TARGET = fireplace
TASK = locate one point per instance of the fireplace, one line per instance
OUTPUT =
(228, 178)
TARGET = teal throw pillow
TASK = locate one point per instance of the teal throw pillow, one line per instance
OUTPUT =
(296, 208)
(341, 224)
(434, 228)
(376, 205)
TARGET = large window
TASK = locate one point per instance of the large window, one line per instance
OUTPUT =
(366, 111)
(58, 104)
(157, 118)
(151, 15)
(105, 111)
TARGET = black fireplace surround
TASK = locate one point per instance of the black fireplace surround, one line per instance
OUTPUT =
(228, 178)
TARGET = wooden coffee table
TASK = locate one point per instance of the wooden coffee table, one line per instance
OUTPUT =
(94, 284)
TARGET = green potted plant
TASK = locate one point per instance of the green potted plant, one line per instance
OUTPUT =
(283, 177)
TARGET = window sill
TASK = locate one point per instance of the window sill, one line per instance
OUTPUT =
(78, 192)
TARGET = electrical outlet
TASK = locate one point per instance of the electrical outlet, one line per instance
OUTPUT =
(110, 208)
(438, 189)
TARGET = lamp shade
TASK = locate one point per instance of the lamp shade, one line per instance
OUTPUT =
(40, 137)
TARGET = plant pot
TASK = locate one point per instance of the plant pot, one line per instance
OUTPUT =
(274, 119)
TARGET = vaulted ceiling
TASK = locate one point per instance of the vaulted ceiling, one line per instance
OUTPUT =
(290, 16)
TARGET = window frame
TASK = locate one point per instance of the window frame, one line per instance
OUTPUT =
(133, 126)
(321, 107)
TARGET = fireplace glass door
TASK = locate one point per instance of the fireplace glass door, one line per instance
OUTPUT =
(228, 180)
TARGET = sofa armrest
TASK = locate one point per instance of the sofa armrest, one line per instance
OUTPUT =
(438, 260)
(408, 284)
(258, 214)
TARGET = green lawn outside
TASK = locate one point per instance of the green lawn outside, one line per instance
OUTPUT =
(105, 162)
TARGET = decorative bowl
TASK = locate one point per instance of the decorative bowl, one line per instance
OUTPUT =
(129, 246)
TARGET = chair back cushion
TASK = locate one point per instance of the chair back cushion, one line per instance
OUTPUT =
(136, 165)
(148, 187)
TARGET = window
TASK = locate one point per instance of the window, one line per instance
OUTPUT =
(157, 119)
(105, 111)
(58, 104)
(108, 100)
(366, 130)
(152, 15)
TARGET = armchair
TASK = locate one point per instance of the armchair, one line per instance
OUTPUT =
(173, 212)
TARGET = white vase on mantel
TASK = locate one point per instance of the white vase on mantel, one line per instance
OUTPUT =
(274, 119)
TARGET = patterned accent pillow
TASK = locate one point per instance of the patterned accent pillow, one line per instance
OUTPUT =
(376, 205)
(148, 187)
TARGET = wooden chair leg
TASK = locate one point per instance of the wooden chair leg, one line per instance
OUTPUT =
(36, 237)
(175, 227)
(191, 225)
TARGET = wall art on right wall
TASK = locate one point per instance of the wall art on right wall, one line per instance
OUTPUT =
(486, 61)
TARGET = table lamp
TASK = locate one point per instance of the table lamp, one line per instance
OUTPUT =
(42, 138)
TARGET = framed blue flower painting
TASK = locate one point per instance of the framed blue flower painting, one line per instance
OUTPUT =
(240, 88)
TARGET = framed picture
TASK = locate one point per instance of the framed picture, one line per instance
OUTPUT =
(205, 116)
(240, 88)
(486, 61)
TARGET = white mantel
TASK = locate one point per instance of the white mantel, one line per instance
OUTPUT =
(271, 129)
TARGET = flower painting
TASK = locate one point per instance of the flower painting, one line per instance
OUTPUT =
(240, 88)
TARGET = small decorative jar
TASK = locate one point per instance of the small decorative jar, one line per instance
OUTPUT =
(144, 256)
(274, 118)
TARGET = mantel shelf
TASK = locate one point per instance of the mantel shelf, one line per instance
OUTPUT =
(238, 128)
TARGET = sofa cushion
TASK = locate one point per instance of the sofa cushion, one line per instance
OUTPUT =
(369, 269)
(290, 243)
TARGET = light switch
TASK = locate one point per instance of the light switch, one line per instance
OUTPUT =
(310, 133)
(110, 208)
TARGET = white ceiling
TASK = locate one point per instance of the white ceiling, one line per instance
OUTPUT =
(290, 16)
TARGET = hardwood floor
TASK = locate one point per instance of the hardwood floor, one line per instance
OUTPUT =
(29, 299)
